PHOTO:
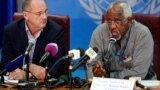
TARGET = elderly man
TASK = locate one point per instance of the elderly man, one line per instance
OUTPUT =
(125, 46)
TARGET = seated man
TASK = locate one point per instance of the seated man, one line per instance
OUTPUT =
(125, 46)
(35, 26)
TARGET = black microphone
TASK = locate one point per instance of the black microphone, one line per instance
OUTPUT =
(50, 49)
(78, 81)
(90, 54)
(138, 84)
(30, 45)
(14, 64)
(63, 79)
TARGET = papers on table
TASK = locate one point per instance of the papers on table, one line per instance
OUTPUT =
(112, 84)
(150, 83)
(119, 84)
(10, 81)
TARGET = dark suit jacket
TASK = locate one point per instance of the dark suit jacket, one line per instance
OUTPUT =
(15, 41)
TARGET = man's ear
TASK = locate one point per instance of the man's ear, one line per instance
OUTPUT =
(130, 19)
(25, 15)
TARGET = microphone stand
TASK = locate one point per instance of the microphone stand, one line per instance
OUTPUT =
(46, 73)
(87, 79)
(70, 76)
(27, 83)
(27, 68)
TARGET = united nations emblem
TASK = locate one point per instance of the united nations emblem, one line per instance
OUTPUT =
(95, 8)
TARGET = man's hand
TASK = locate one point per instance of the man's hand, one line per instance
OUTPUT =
(98, 71)
(37, 71)
(17, 74)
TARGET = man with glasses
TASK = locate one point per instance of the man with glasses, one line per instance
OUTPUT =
(125, 46)
(35, 25)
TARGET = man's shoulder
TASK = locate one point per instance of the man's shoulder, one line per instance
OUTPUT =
(15, 24)
(140, 28)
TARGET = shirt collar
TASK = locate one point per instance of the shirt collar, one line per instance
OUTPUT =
(29, 33)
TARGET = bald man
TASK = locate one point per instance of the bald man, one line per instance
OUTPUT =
(36, 26)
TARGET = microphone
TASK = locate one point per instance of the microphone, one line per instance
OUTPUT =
(78, 81)
(137, 82)
(111, 43)
(30, 45)
(14, 64)
(74, 54)
(63, 79)
(50, 49)
(90, 54)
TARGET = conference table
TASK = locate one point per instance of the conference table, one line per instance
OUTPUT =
(41, 86)
(60, 88)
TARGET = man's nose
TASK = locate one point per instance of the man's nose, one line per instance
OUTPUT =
(112, 26)
(44, 15)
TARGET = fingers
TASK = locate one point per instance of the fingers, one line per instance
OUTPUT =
(98, 71)
(17, 74)
(41, 76)
(37, 71)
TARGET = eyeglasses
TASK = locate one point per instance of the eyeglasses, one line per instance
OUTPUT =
(39, 13)
(117, 22)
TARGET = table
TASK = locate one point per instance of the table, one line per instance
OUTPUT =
(64, 88)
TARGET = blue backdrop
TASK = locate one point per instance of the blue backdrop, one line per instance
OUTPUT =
(86, 14)
(7, 7)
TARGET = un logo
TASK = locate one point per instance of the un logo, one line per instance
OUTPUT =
(95, 8)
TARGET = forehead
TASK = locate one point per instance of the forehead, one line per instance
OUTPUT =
(38, 5)
(115, 12)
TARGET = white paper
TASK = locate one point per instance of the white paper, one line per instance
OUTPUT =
(112, 84)
(150, 83)
(10, 81)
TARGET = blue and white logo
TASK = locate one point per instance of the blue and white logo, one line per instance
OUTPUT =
(95, 8)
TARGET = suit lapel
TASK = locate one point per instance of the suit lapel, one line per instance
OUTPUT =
(41, 40)
(23, 34)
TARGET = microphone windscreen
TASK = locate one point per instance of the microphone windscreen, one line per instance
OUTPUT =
(76, 53)
(95, 49)
(64, 78)
(52, 48)
(16, 63)
(112, 39)
(91, 52)
(82, 52)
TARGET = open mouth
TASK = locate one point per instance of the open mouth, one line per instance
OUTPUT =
(116, 34)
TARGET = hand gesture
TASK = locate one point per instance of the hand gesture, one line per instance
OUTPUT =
(37, 71)
(98, 71)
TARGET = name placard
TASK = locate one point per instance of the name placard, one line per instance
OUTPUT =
(112, 84)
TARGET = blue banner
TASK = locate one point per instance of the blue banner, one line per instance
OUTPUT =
(85, 15)
(7, 7)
